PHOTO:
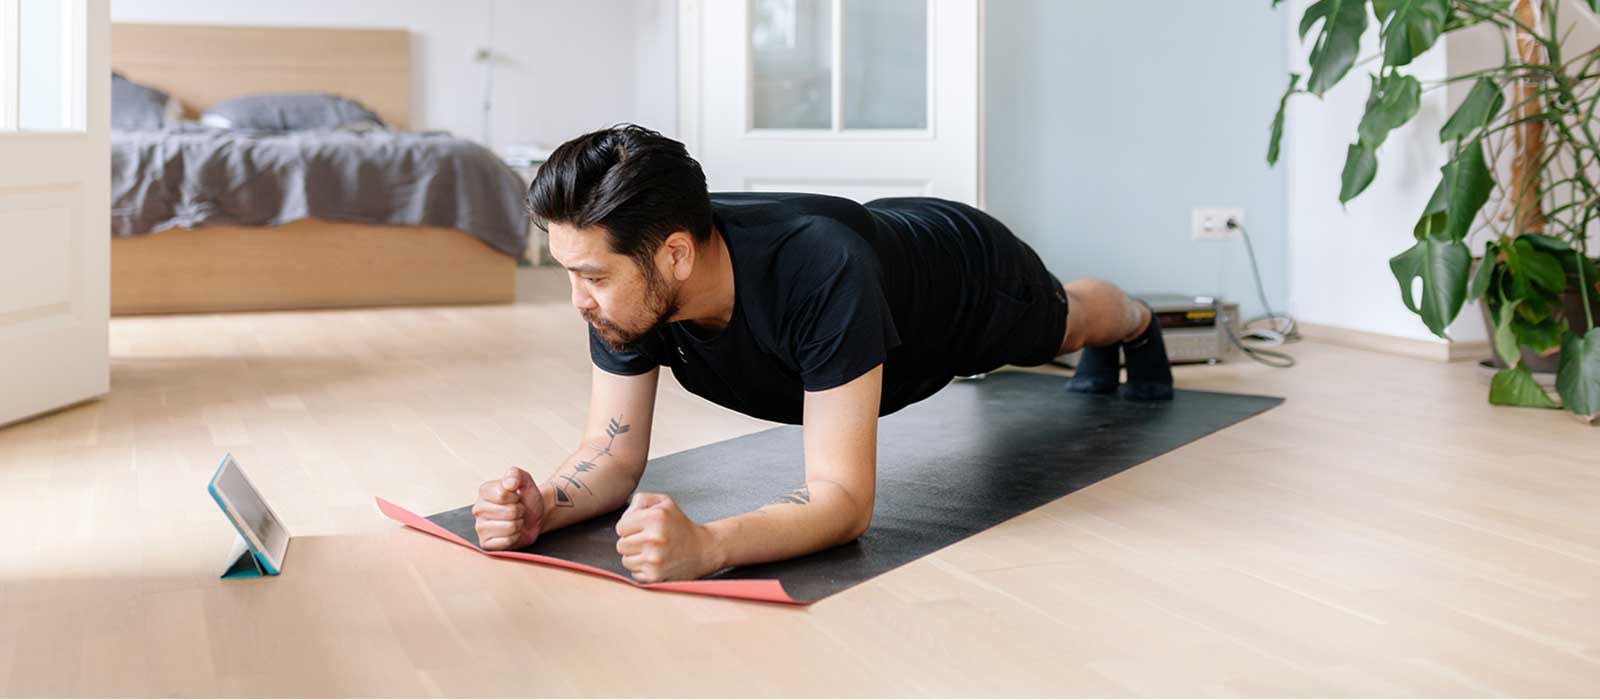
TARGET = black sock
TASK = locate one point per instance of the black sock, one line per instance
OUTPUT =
(1149, 370)
(1097, 370)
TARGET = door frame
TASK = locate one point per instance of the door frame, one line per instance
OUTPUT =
(10, 65)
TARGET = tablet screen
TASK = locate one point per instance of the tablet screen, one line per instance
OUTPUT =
(269, 535)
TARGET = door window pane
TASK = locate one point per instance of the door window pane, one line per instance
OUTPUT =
(791, 52)
(44, 70)
(42, 86)
(885, 66)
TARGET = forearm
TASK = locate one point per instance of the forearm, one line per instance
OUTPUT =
(819, 515)
(590, 482)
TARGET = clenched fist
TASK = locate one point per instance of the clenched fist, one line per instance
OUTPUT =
(509, 511)
(659, 543)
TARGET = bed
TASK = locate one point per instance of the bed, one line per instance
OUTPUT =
(355, 219)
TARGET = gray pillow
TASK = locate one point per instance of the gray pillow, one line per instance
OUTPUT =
(290, 111)
(136, 107)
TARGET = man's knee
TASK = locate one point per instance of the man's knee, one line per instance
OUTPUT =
(1095, 289)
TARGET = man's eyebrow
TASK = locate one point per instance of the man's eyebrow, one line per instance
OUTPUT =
(586, 268)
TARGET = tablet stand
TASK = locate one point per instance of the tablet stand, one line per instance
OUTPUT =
(243, 562)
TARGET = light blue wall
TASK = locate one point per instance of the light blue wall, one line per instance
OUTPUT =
(1106, 121)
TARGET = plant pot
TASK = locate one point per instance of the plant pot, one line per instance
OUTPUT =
(1571, 309)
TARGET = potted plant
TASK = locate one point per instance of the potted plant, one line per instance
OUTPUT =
(1538, 109)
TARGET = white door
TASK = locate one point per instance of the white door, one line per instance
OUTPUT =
(857, 98)
(55, 206)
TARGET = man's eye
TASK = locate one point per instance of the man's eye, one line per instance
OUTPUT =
(594, 280)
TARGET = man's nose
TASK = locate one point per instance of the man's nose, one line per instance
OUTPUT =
(582, 300)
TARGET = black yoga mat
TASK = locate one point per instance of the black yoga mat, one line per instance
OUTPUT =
(974, 455)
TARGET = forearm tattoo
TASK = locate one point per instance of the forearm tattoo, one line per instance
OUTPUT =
(570, 485)
(798, 497)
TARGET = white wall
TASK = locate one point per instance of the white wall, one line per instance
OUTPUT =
(1339, 256)
(1095, 155)
(561, 68)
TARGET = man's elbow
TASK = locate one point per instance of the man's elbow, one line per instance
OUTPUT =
(859, 525)
(851, 514)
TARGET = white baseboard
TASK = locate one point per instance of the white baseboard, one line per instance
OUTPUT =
(1453, 351)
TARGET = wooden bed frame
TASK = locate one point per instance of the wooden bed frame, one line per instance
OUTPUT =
(305, 264)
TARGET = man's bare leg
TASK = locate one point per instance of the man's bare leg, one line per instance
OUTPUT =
(1100, 314)
(1106, 324)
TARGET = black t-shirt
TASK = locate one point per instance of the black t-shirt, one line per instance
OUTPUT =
(825, 289)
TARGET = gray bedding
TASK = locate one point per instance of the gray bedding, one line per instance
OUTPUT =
(191, 175)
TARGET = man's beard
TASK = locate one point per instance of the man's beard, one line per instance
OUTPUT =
(660, 303)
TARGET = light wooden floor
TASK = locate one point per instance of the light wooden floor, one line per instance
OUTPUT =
(1385, 532)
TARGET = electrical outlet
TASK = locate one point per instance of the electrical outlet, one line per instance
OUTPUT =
(1212, 224)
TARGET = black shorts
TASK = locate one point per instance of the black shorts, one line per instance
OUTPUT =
(1000, 305)
(1027, 311)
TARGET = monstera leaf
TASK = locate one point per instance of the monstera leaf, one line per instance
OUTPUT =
(1505, 341)
(1277, 120)
(1468, 183)
(1478, 109)
(1483, 278)
(1538, 335)
(1433, 216)
(1393, 101)
(1578, 376)
(1410, 27)
(1339, 39)
(1461, 192)
(1360, 166)
(1461, 20)
(1443, 266)
(1516, 386)
(1531, 266)
(1548, 244)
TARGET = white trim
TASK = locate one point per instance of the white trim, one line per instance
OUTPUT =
(922, 185)
(857, 134)
(10, 63)
(1288, 159)
(689, 60)
(1435, 350)
(837, 78)
(930, 95)
(983, 99)
(747, 65)
(74, 60)
(971, 109)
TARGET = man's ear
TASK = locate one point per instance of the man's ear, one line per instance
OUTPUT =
(678, 254)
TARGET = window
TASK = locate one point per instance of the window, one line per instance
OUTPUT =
(838, 64)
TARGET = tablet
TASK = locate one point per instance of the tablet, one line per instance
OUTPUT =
(251, 516)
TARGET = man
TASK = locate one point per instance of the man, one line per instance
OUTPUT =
(793, 308)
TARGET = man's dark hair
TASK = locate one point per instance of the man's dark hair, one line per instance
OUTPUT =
(635, 183)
